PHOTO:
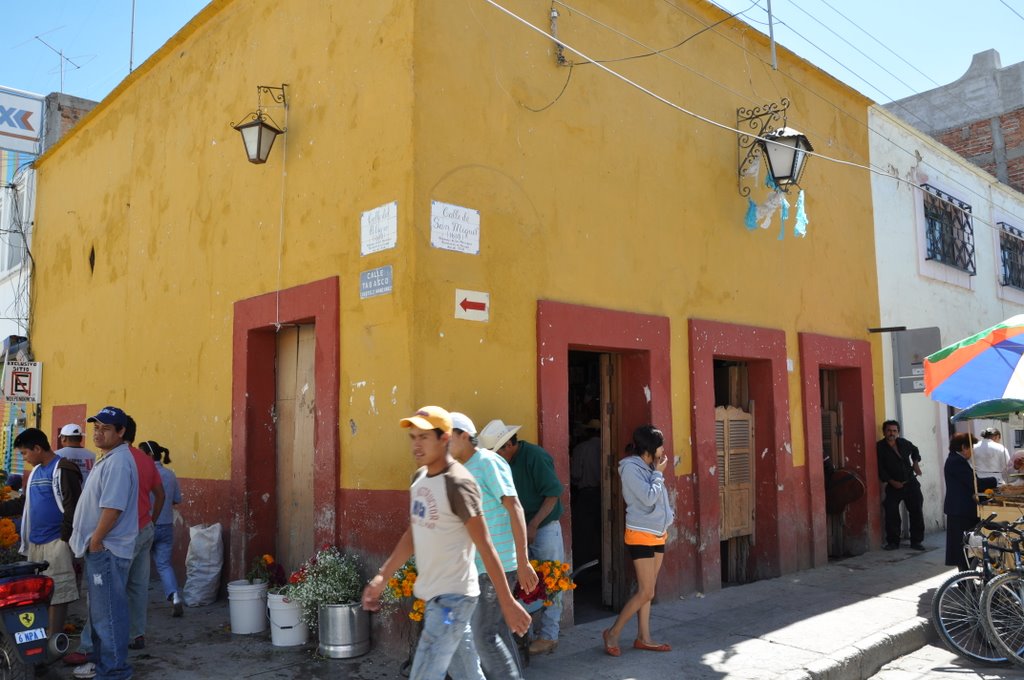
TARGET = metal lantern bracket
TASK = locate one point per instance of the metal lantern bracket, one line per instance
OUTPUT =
(276, 95)
(759, 121)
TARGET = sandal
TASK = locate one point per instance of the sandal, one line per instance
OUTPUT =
(608, 649)
(648, 647)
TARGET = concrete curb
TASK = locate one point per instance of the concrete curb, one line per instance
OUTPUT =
(865, 658)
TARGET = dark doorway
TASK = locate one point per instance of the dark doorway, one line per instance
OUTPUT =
(595, 500)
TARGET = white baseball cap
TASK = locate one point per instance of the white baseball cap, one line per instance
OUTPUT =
(71, 430)
(460, 421)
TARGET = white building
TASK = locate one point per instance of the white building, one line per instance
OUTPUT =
(950, 255)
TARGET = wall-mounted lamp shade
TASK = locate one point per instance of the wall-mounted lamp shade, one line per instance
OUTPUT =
(258, 136)
(787, 153)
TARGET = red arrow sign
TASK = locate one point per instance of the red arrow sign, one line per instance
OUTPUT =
(468, 304)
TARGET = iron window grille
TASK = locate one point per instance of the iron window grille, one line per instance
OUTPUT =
(1011, 251)
(949, 231)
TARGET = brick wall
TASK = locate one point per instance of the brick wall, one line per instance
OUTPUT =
(974, 141)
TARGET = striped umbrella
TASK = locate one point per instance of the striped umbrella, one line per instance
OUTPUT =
(985, 366)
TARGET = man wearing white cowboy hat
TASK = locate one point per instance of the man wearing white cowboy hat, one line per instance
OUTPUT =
(539, 489)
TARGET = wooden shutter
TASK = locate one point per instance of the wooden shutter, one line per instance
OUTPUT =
(734, 444)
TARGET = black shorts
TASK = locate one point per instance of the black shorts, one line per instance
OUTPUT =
(639, 552)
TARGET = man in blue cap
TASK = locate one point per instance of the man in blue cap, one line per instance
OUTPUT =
(105, 526)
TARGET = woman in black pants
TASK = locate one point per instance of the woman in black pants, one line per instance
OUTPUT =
(960, 506)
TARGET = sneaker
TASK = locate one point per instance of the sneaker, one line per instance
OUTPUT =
(85, 671)
(177, 609)
(891, 546)
(917, 546)
(138, 643)
(77, 658)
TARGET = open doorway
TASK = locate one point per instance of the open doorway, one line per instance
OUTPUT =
(595, 497)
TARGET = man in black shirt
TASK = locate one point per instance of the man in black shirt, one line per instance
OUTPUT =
(898, 467)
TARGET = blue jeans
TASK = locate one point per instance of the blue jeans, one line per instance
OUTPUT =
(445, 629)
(163, 544)
(138, 583)
(106, 578)
(492, 641)
(547, 545)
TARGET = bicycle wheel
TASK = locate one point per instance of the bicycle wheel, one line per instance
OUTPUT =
(956, 616)
(1002, 609)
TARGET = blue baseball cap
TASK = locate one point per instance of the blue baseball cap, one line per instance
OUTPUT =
(110, 415)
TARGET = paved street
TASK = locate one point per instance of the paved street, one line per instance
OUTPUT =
(843, 621)
(935, 662)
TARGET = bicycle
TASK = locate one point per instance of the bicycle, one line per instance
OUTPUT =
(1002, 602)
(956, 606)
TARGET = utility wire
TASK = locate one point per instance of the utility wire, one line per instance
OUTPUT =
(844, 112)
(1009, 7)
(714, 123)
(653, 51)
(880, 43)
(846, 68)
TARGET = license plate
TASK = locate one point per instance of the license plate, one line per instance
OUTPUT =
(30, 635)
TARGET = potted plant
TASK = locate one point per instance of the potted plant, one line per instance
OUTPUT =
(247, 597)
(328, 588)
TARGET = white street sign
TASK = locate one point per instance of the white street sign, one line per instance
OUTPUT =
(472, 305)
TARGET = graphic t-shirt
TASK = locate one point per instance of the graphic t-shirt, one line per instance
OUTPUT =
(440, 505)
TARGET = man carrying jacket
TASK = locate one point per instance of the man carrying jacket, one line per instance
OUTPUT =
(47, 508)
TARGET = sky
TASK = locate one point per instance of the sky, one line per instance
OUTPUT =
(95, 37)
(891, 49)
(886, 49)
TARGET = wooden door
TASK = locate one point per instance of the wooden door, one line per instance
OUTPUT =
(614, 591)
(295, 412)
(734, 445)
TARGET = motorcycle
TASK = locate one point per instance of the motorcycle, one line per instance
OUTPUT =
(24, 616)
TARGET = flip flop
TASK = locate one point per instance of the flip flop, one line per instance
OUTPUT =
(610, 651)
(640, 644)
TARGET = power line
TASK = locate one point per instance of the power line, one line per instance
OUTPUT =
(842, 111)
(1007, 5)
(880, 43)
(723, 126)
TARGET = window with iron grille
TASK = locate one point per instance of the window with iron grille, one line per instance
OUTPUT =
(949, 232)
(1011, 250)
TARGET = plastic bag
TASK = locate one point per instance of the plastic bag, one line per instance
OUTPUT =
(203, 565)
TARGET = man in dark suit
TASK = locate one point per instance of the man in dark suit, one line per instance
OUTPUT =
(960, 506)
(899, 465)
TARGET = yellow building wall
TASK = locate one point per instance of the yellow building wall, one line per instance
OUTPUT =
(155, 182)
(590, 192)
(595, 193)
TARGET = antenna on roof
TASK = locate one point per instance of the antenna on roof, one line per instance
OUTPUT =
(131, 44)
(63, 59)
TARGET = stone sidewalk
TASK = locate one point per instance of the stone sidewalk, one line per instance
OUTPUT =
(838, 622)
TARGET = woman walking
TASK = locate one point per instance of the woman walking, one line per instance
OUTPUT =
(163, 537)
(648, 517)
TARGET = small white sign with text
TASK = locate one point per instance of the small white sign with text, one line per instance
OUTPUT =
(379, 229)
(455, 228)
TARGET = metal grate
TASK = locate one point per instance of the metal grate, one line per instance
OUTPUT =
(1011, 250)
(949, 232)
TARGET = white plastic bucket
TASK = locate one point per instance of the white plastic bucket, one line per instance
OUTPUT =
(286, 626)
(247, 603)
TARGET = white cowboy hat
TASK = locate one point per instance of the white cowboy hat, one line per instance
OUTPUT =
(495, 434)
